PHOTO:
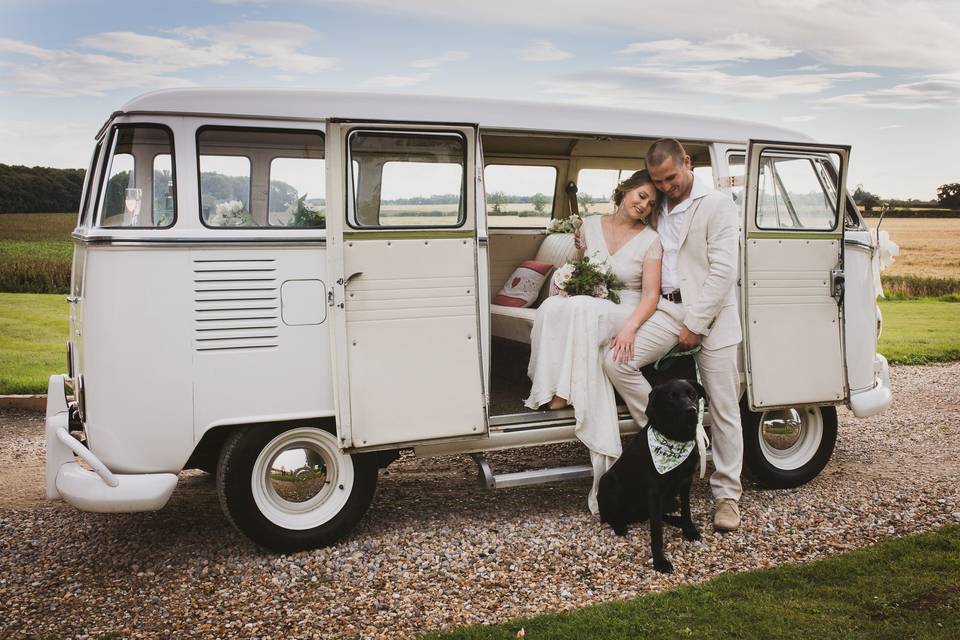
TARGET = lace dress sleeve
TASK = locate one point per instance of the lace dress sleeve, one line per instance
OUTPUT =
(654, 251)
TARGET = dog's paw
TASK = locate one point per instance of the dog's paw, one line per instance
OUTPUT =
(691, 534)
(620, 531)
(663, 565)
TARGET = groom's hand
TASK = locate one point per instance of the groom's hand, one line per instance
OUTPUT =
(688, 339)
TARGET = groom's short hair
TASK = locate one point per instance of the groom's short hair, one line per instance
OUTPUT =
(665, 148)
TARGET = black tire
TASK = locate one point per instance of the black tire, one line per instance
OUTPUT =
(803, 451)
(262, 515)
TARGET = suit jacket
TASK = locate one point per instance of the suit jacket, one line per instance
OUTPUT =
(708, 265)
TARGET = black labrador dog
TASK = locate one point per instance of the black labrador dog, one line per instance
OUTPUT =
(632, 489)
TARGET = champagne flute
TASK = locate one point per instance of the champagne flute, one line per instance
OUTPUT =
(132, 200)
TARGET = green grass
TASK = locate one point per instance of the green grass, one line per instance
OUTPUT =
(905, 588)
(920, 331)
(33, 335)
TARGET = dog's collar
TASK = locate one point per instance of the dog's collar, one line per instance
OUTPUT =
(667, 454)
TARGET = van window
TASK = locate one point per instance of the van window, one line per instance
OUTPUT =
(261, 178)
(406, 179)
(796, 192)
(129, 192)
(519, 195)
(595, 188)
(297, 192)
(163, 188)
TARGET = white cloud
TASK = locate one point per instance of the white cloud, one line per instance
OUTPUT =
(443, 58)
(543, 51)
(70, 73)
(891, 126)
(398, 81)
(265, 44)
(931, 93)
(22, 48)
(708, 80)
(797, 118)
(735, 47)
(923, 34)
(128, 60)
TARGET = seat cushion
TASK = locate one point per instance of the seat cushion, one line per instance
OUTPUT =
(512, 323)
(515, 323)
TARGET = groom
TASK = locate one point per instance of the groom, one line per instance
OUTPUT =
(698, 228)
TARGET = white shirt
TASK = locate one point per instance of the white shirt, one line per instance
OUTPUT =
(669, 226)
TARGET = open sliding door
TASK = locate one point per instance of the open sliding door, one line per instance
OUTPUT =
(402, 253)
(793, 274)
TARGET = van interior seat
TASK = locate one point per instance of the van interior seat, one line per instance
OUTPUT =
(515, 324)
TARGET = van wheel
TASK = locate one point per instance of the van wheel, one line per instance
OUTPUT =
(290, 488)
(786, 448)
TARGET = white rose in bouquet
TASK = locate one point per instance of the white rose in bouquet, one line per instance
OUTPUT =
(560, 277)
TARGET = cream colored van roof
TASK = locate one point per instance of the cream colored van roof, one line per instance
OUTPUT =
(489, 114)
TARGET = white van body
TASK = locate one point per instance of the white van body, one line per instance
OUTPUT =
(238, 349)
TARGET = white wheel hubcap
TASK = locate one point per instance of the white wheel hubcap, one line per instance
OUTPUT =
(300, 480)
(789, 438)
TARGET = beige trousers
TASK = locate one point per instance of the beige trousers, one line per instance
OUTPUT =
(719, 375)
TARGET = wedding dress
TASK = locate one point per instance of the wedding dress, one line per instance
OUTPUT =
(570, 337)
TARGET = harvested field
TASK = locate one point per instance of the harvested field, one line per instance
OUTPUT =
(929, 247)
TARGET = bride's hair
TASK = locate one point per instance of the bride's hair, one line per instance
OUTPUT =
(638, 179)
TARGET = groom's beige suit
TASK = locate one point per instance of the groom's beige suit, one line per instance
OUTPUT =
(706, 245)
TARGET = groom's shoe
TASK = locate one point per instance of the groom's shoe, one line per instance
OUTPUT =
(727, 515)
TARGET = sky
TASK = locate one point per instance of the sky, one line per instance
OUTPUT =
(882, 76)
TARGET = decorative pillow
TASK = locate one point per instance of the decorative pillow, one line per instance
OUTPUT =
(523, 286)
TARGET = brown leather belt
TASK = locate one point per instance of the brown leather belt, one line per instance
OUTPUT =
(673, 296)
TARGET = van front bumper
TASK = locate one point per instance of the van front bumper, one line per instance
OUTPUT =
(98, 490)
(872, 401)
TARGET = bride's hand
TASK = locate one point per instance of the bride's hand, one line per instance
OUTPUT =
(622, 345)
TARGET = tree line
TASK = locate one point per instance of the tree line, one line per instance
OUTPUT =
(39, 189)
(948, 198)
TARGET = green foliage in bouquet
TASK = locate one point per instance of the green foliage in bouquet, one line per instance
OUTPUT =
(589, 278)
(307, 215)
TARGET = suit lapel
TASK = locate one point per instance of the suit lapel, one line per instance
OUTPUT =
(688, 220)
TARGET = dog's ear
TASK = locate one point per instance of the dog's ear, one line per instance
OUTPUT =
(699, 387)
(651, 405)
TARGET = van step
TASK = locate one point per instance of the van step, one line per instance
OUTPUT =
(532, 476)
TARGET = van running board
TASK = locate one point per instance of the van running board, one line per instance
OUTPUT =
(524, 478)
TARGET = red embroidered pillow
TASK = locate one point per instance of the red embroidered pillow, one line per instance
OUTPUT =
(522, 288)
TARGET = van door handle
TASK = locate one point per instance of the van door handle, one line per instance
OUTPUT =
(837, 280)
(351, 277)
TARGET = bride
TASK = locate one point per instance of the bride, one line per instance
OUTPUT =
(570, 333)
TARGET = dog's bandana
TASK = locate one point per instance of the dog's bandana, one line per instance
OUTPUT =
(667, 454)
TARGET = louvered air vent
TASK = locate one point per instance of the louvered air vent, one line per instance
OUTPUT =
(236, 304)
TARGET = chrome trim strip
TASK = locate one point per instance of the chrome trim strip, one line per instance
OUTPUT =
(858, 244)
(146, 241)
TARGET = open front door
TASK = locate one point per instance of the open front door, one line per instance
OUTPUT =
(792, 270)
(402, 251)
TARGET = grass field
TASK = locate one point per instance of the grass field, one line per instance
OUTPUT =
(35, 252)
(904, 588)
(929, 247)
(33, 335)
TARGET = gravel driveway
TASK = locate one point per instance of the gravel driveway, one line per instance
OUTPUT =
(436, 551)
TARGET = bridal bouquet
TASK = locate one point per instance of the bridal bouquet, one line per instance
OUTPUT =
(586, 277)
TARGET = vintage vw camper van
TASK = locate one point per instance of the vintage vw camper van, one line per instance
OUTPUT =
(289, 288)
